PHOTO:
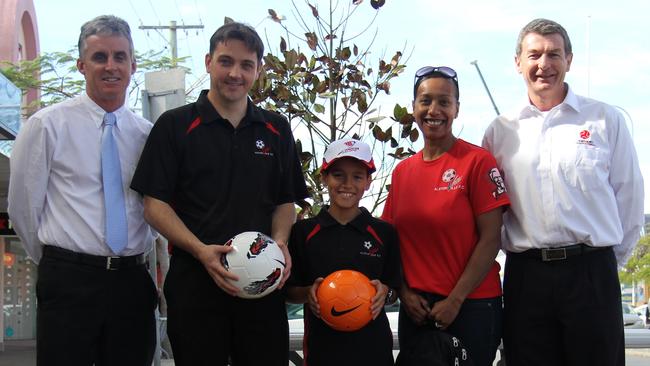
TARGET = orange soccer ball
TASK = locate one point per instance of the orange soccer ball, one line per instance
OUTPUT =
(344, 298)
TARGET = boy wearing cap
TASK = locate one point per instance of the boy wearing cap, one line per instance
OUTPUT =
(345, 236)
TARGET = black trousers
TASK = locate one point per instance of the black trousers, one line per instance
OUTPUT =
(208, 327)
(563, 313)
(89, 315)
(478, 325)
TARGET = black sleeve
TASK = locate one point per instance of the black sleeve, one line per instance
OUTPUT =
(392, 274)
(293, 187)
(157, 171)
(299, 268)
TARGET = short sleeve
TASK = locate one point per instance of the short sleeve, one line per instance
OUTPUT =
(487, 190)
(299, 274)
(293, 187)
(157, 171)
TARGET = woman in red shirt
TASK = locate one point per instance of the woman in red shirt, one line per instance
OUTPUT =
(446, 203)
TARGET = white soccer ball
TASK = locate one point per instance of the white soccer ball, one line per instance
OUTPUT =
(257, 260)
(448, 175)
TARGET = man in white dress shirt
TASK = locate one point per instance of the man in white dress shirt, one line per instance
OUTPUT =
(576, 212)
(95, 302)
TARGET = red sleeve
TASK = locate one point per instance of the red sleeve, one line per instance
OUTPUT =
(387, 214)
(487, 190)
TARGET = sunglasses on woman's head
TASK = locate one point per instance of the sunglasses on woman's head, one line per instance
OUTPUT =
(444, 71)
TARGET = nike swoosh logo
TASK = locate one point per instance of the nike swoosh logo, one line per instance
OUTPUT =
(335, 312)
(282, 263)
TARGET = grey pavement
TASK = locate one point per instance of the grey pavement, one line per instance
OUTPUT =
(23, 353)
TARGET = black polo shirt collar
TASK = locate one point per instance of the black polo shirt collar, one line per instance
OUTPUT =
(209, 114)
(360, 222)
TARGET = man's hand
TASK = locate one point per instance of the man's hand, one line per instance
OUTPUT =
(287, 264)
(210, 257)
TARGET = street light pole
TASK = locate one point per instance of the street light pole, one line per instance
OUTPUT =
(475, 63)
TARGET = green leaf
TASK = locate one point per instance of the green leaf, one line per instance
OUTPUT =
(399, 112)
(375, 119)
(319, 108)
(328, 95)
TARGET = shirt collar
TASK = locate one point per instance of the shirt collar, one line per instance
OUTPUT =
(360, 222)
(97, 113)
(209, 114)
(570, 101)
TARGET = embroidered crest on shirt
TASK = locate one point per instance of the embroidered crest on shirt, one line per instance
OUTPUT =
(451, 181)
(262, 149)
(370, 249)
(585, 138)
(497, 180)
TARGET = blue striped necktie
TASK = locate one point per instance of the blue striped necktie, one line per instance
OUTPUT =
(116, 227)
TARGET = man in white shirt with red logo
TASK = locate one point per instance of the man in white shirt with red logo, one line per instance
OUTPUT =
(576, 212)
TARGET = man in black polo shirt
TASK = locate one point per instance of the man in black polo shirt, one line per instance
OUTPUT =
(210, 170)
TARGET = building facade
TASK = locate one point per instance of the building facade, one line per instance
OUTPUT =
(17, 273)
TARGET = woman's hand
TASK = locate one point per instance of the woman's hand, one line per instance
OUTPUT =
(415, 305)
(444, 312)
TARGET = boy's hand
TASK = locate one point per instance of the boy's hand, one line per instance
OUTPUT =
(379, 299)
(313, 299)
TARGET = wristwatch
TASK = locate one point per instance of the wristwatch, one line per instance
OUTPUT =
(389, 297)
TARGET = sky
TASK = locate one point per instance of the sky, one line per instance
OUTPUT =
(610, 44)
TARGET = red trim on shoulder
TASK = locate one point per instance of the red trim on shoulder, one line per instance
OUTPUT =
(374, 233)
(272, 128)
(313, 232)
(193, 125)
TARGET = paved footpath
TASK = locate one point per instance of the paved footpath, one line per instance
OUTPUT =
(23, 353)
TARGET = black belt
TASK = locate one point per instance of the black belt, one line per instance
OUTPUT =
(107, 263)
(558, 254)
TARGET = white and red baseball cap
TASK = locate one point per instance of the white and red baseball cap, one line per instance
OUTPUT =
(348, 148)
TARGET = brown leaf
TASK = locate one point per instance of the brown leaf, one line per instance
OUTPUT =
(413, 136)
(314, 11)
(283, 44)
(378, 133)
(330, 36)
(356, 2)
(312, 40)
(345, 53)
(274, 16)
(376, 4)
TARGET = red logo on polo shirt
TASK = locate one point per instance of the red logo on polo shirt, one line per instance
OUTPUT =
(451, 181)
(370, 249)
(584, 134)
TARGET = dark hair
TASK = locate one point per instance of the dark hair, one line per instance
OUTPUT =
(544, 27)
(428, 72)
(105, 25)
(241, 32)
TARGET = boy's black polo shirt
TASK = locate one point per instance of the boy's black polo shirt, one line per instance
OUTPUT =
(220, 180)
(320, 246)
